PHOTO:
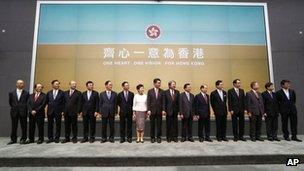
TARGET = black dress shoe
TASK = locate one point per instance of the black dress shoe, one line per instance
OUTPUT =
(103, 140)
(224, 139)
(39, 141)
(11, 142)
(242, 139)
(23, 142)
(56, 141)
(129, 140)
(276, 139)
(259, 139)
(152, 140)
(158, 140)
(287, 139)
(91, 140)
(28, 142)
(168, 140)
(65, 141)
(235, 139)
(183, 139)
(84, 140)
(270, 139)
(175, 139)
(208, 139)
(122, 140)
(111, 140)
(74, 141)
(252, 139)
(219, 139)
(191, 139)
(201, 140)
(296, 139)
(49, 141)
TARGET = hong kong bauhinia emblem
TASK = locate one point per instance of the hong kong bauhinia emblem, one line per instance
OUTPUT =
(153, 31)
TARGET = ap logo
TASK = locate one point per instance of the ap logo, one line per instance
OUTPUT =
(292, 162)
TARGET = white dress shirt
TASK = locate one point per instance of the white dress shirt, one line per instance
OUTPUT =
(220, 92)
(286, 91)
(18, 91)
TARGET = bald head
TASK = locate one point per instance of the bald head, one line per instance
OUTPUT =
(73, 85)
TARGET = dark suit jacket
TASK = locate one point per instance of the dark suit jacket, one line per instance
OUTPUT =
(254, 105)
(186, 107)
(170, 105)
(72, 103)
(270, 104)
(55, 106)
(108, 107)
(218, 105)
(125, 105)
(155, 105)
(202, 107)
(38, 105)
(236, 103)
(287, 106)
(90, 106)
(18, 107)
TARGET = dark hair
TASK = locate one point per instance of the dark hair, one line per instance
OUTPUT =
(284, 81)
(89, 82)
(186, 85)
(202, 86)
(123, 83)
(55, 81)
(218, 82)
(155, 80)
(253, 83)
(139, 86)
(107, 82)
(35, 85)
(235, 81)
(170, 82)
(267, 85)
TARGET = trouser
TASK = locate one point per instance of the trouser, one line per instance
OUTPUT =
(187, 127)
(54, 118)
(126, 119)
(255, 126)
(33, 120)
(221, 126)
(70, 122)
(23, 123)
(203, 127)
(105, 121)
(156, 118)
(238, 124)
(271, 126)
(89, 126)
(293, 124)
(172, 126)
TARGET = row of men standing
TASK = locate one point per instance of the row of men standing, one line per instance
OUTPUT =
(90, 104)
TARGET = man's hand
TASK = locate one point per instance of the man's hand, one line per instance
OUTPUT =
(231, 112)
(249, 114)
(164, 113)
(62, 113)
(181, 115)
(96, 114)
(33, 112)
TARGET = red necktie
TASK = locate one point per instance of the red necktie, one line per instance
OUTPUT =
(36, 96)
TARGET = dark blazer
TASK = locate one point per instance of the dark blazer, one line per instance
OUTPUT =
(287, 106)
(254, 105)
(125, 105)
(170, 105)
(73, 102)
(202, 107)
(55, 106)
(186, 107)
(38, 105)
(153, 104)
(236, 103)
(90, 106)
(18, 107)
(108, 107)
(270, 104)
(218, 105)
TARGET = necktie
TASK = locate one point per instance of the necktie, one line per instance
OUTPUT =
(54, 94)
(256, 95)
(36, 96)
(221, 95)
(126, 96)
(237, 92)
(109, 95)
(205, 97)
(71, 92)
(89, 95)
(271, 95)
(188, 97)
(156, 93)
(18, 95)
(172, 94)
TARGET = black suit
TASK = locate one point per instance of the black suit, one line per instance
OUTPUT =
(71, 109)
(220, 111)
(108, 109)
(236, 103)
(202, 108)
(54, 110)
(18, 111)
(187, 110)
(37, 105)
(125, 112)
(155, 105)
(272, 111)
(171, 107)
(89, 107)
(288, 110)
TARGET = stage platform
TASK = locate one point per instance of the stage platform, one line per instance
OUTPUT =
(148, 154)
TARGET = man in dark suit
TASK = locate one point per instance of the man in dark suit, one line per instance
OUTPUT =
(287, 106)
(171, 107)
(272, 112)
(89, 112)
(18, 103)
(55, 102)
(255, 109)
(187, 112)
(202, 108)
(236, 106)
(72, 110)
(218, 99)
(155, 109)
(108, 110)
(36, 106)
(125, 103)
